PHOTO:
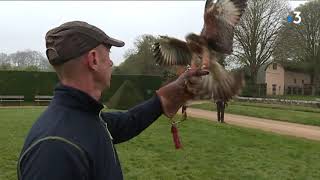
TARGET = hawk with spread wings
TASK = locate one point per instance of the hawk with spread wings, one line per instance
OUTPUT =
(204, 50)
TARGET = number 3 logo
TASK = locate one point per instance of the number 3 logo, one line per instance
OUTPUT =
(297, 17)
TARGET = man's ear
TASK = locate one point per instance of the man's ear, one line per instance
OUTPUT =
(92, 59)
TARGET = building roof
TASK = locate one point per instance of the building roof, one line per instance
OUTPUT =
(286, 66)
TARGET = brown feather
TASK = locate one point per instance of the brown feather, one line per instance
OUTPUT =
(215, 40)
(219, 21)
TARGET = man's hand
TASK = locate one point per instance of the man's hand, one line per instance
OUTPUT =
(176, 93)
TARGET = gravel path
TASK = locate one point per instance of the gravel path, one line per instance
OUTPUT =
(286, 128)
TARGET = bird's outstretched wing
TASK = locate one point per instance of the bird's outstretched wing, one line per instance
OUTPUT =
(220, 17)
(170, 51)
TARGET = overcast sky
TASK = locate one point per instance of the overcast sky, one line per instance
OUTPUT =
(23, 25)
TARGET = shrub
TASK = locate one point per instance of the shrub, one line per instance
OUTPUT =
(125, 97)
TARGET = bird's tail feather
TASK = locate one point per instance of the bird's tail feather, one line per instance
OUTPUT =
(221, 85)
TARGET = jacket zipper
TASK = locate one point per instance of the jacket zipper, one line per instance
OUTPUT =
(105, 126)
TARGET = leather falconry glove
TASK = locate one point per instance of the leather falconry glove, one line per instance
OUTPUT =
(178, 92)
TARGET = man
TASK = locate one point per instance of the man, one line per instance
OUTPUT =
(221, 105)
(73, 139)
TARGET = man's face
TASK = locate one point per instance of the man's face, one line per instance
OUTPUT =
(104, 68)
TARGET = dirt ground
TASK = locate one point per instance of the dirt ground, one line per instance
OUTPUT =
(286, 128)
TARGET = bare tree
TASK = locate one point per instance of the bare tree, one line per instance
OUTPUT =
(140, 60)
(4, 65)
(256, 34)
(300, 43)
(3, 57)
(28, 60)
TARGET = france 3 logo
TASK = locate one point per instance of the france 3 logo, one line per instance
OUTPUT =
(296, 18)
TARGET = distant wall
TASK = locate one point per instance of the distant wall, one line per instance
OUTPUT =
(296, 79)
(280, 101)
(275, 79)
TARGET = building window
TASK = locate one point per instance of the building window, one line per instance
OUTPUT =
(274, 66)
(295, 80)
(274, 89)
(279, 88)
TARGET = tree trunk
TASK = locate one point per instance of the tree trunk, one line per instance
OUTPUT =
(314, 82)
(253, 73)
(313, 91)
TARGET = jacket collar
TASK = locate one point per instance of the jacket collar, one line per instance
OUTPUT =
(75, 98)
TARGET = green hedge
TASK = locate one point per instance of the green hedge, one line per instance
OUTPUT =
(254, 90)
(27, 83)
(43, 83)
(146, 85)
(126, 97)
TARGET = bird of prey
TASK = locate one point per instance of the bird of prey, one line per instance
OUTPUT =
(204, 50)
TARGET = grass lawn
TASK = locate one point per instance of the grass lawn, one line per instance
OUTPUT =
(211, 151)
(289, 113)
